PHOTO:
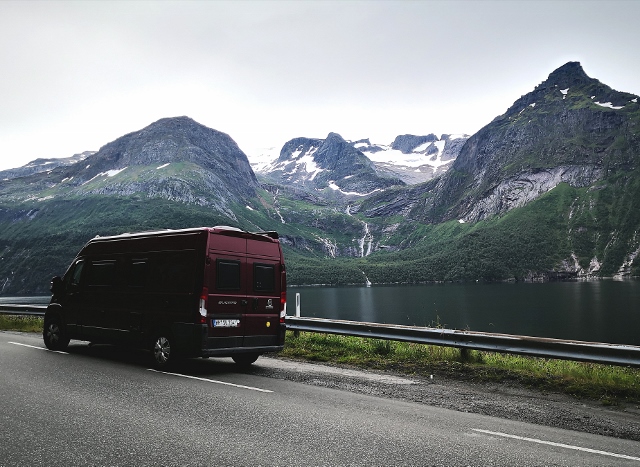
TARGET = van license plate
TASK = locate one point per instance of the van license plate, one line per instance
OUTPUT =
(226, 323)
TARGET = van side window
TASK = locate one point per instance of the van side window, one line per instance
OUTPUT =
(173, 272)
(101, 273)
(74, 277)
(264, 277)
(228, 274)
(137, 273)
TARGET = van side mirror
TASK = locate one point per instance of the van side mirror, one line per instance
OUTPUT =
(56, 285)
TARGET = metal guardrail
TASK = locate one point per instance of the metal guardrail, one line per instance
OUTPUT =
(23, 310)
(611, 354)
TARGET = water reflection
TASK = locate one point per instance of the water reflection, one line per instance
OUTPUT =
(599, 311)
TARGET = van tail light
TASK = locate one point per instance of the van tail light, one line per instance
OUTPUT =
(283, 306)
(203, 304)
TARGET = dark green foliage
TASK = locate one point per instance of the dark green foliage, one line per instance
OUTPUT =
(523, 244)
(39, 240)
(37, 247)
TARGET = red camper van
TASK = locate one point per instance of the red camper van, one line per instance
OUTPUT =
(180, 293)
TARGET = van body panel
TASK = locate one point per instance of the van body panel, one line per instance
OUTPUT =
(215, 291)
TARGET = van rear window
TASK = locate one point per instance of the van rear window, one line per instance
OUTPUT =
(264, 277)
(228, 274)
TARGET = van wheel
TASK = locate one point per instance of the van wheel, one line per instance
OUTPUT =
(245, 359)
(54, 334)
(163, 353)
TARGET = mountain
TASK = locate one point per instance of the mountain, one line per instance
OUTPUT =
(331, 163)
(174, 158)
(571, 129)
(550, 189)
(43, 165)
(572, 144)
(174, 173)
(409, 158)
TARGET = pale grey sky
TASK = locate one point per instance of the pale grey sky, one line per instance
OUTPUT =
(77, 75)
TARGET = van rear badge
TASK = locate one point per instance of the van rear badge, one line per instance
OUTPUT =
(269, 304)
(227, 303)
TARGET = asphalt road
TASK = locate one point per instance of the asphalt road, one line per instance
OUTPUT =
(103, 406)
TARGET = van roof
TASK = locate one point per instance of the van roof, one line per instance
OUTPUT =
(219, 229)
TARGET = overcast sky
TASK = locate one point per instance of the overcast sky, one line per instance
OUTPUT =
(77, 75)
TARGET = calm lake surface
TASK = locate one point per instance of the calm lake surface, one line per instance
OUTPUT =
(596, 311)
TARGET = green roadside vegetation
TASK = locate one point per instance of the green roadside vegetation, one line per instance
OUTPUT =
(611, 385)
(21, 323)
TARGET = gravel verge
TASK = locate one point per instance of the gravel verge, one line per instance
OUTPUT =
(508, 401)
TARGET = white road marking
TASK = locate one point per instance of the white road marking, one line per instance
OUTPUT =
(36, 347)
(212, 381)
(560, 445)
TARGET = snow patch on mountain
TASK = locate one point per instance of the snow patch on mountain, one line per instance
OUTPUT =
(610, 105)
(296, 163)
(413, 159)
(108, 173)
(261, 158)
(334, 187)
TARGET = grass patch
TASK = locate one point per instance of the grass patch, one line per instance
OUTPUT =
(21, 323)
(609, 384)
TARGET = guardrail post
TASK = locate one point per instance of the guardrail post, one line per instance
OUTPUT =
(465, 355)
(297, 333)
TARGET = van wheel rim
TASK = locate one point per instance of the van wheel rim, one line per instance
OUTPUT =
(53, 333)
(162, 350)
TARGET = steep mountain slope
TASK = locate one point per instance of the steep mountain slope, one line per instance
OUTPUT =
(571, 129)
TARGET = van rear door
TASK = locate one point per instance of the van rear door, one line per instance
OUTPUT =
(227, 294)
(244, 291)
(262, 318)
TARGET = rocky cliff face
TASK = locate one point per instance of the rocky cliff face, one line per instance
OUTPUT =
(571, 129)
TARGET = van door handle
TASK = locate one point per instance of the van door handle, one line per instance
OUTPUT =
(255, 304)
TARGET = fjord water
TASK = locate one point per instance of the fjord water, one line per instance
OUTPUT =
(596, 311)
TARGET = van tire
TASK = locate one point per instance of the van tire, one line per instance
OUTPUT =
(163, 351)
(245, 359)
(54, 334)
